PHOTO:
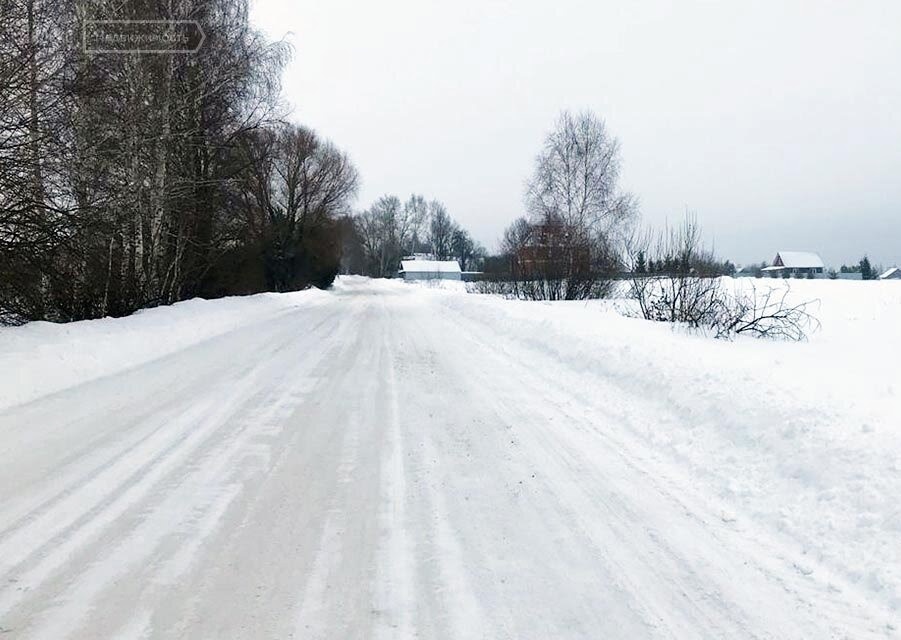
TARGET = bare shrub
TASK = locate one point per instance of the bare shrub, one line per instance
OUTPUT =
(687, 289)
(688, 299)
(504, 288)
(541, 288)
(766, 314)
(706, 304)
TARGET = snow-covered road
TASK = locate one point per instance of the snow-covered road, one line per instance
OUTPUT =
(381, 464)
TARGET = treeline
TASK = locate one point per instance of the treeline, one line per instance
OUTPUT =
(379, 237)
(866, 270)
(130, 180)
(669, 263)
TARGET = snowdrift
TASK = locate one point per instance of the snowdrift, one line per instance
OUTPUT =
(41, 358)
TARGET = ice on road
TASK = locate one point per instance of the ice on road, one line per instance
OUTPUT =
(384, 463)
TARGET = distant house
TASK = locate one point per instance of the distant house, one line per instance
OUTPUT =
(548, 248)
(798, 264)
(892, 274)
(430, 270)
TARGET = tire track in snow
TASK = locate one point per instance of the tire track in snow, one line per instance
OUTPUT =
(464, 613)
(493, 553)
(211, 498)
(261, 556)
(447, 602)
(55, 514)
(120, 488)
(312, 621)
(394, 591)
(703, 576)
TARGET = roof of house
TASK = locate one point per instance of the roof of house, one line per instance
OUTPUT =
(430, 266)
(801, 260)
(894, 272)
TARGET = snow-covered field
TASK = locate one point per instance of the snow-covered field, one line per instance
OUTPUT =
(386, 460)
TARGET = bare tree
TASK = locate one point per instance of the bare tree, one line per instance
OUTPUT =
(569, 245)
(515, 236)
(294, 191)
(416, 209)
(440, 230)
(386, 229)
(576, 178)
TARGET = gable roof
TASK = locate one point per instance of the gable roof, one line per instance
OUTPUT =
(429, 266)
(892, 273)
(800, 260)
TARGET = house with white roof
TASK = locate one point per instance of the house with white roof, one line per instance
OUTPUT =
(798, 264)
(417, 269)
(892, 274)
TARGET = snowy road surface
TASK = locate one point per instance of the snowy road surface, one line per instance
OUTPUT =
(382, 463)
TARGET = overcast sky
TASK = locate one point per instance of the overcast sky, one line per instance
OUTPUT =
(778, 123)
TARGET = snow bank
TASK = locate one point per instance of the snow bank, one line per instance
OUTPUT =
(41, 358)
(799, 438)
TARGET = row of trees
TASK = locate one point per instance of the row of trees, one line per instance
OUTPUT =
(129, 180)
(707, 264)
(675, 251)
(866, 270)
(390, 229)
